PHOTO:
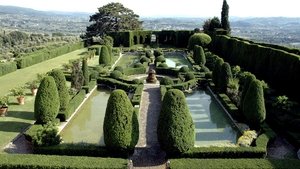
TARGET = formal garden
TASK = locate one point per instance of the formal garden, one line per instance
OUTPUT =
(165, 99)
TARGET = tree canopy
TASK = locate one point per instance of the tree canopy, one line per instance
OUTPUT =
(112, 17)
(225, 16)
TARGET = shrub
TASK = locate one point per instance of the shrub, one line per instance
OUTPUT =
(199, 55)
(254, 104)
(217, 72)
(119, 68)
(158, 52)
(62, 88)
(175, 125)
(120, 122)
(166, 81)
(163, 65)
(85, 72)
(46, 105)
(7, 68)
(184, 69)
(247, 80)
(247, 138)
(144, 59)
(200, 39)
(137, 81)
(104, 56)
(189, 76)
(148, 54)
(160, 59)
(138, 65)
(133, 71)
(46, 136)
(225, 76)
(116, 74)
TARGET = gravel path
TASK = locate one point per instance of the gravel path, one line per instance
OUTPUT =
(147, 153)
(19, 146)
(281, 149)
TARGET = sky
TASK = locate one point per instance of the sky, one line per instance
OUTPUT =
(175, 8)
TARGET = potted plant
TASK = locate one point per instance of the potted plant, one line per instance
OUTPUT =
(33, 86)
(3, 105)
(19, 93)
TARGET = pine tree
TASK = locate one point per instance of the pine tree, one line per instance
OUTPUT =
(225, 16)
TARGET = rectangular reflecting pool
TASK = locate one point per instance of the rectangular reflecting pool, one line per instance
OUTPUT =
(87, 124)
(212, 125)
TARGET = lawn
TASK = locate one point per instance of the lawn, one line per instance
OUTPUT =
(21, 116)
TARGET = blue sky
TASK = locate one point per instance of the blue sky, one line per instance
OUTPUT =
(167, 8)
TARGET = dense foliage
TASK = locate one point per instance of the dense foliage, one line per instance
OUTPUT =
(46, 105)
(217, 72)
(85, 72)
(116, 74)
(120, 123)
(200, 39)
(104, 57)
(225, 16)
(166, 81)
(47, 135)
(199, 55)
(211, 24)
(225, 76)
(175, 125)
(62, 88)
(189, 76)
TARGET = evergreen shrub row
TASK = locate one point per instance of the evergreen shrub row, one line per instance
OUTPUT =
(133, 71)
(112, 83)
(137, 95)
(8, 67)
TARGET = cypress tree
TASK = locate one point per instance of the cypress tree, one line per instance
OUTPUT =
(175, 128)
(46, 105)
(248, 79)
(225, 16)
(199, 55)
(85, 72)
(120, 125)
(225, 75)
(254, 104)
(104, 56)
(62, 88)
(217, 71)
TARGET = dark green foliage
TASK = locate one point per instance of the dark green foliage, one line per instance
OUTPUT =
(189, 76)
(113, 83)
(62, 88)
(228, 104)
(133, 71)
(160, 59)
(225, 16)
(254, 104)
(85, 72)
(109, 48)
(138, 65)
(120, 126)
(30, 161)
(225, 75)
(211, 24)
(163, 65)
(46, 105)
(247, 80)
(46, 54)
(104, 56)
(119, 68)
(158, 52)
(137, 81)
(175, 125)
(166, 71)
(116, 74)
(234, 163)
(148, 53)
(200, 39)
(166, 81)
(46, 136)
(199, 55)
(217, 72)
(184, 69)
(7, 68)
(144, 59)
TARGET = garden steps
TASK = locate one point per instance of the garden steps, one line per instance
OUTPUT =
(148, 153)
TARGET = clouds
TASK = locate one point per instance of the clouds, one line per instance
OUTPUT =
(194, 8)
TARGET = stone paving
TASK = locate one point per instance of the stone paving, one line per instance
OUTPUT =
(148, 153)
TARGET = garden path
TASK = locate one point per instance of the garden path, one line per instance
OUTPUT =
(148, 153)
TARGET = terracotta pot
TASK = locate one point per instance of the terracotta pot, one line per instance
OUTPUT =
(21, 100)
(3, 111)
(33, 92)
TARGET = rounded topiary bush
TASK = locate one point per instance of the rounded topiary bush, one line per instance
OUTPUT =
(247, 80)
(138, 65)
(120, 125)
(85, 72)
(160, 59)
(200, 39)
(225, 76)
(137, 81)
(148, 54)
(166, 81)
(189, 76)
(199, 55)
(119, 68)
(104, 56)
(158, 52)
(254, 104)
(175, 128)
(116, 74)
(46, 105)
(63, 92)
(144, 59)
(163, 65)
(184, 69)
(217, 72)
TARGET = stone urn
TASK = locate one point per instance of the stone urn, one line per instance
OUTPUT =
(151, 76)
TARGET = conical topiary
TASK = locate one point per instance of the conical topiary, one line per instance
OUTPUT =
(104, 56)
(225, 75)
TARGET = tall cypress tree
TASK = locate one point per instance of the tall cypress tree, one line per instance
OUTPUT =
(85, 71)
(225, 16)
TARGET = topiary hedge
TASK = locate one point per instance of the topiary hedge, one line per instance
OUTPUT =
(175, 128)
(225, 75)
(184, 69)
(120, 127)
(254, 104)
(46, 105)
(247, 80)
(8, 67)
(62, 88)
(133, 71)
(200, 39)
(199, 55)
(116, 74)
(85, 72)
(166, 81)
(217, 72)
(189, 76)
(104, 57)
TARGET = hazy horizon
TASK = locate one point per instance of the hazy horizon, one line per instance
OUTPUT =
(168, 8)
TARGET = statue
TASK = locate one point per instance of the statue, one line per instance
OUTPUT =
(151, 76)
